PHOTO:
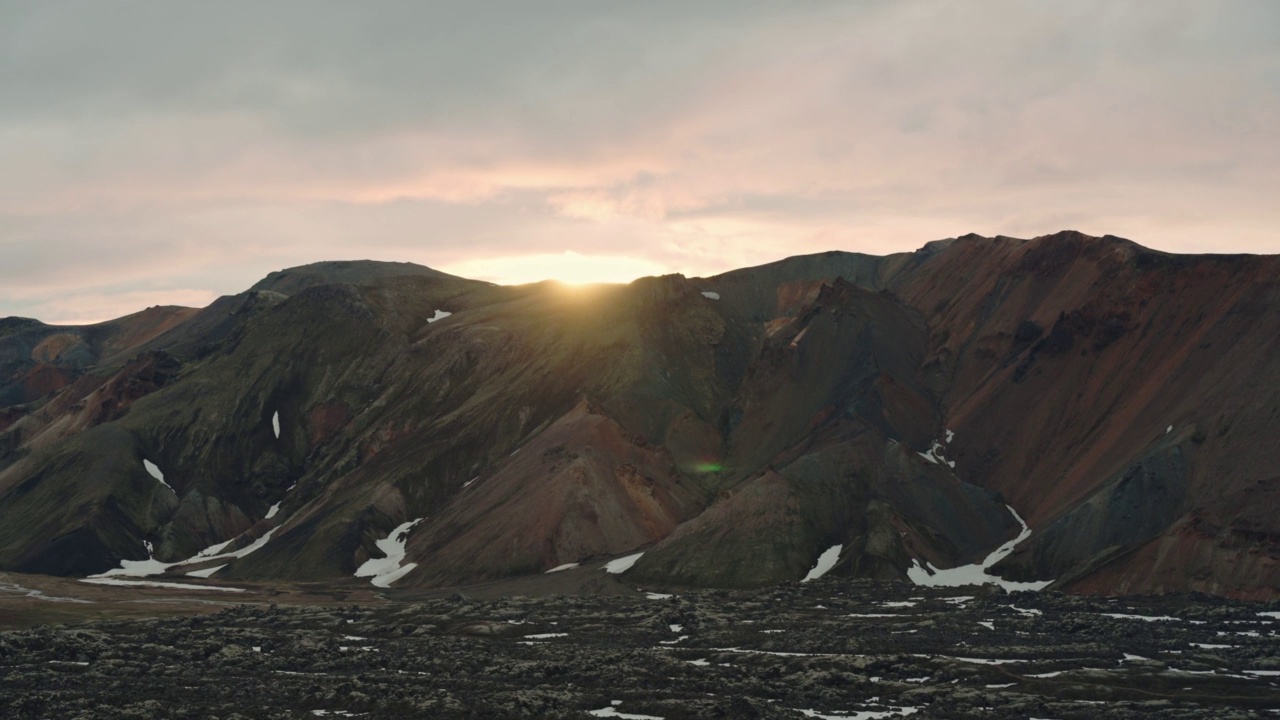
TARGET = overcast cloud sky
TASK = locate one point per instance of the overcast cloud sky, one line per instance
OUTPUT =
(166, 153)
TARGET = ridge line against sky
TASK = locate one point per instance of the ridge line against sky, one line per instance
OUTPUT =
(170, 153)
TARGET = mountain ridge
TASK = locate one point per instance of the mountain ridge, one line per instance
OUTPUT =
(731, 427)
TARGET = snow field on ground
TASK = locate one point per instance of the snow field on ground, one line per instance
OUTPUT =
(386, 570)
(826, 561)
(977, 574)
(622, 564)
(154, 471)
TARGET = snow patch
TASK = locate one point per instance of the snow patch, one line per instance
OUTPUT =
(936, 455)
(1168, 430)
(242, 552)
(212, 550)
(826, 561)
(711, 295)
(546, 636)
(271, 512)
(7, 587)
(775, 653)
(138, 568)
(612, 712)
(1144, 618)
(987, 624)
(154, 471)
(385, 581)
(440, 315)
(151, 566)
(153, 583)
(977, 574)
(862, 714)
(622, 564)
(658, 596)
(386, 570)
(982, 661)
(275, 424)
(558, 568)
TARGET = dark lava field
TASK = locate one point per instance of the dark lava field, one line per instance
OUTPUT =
(828, 649)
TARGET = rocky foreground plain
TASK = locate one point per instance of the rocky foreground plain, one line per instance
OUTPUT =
(826, 649)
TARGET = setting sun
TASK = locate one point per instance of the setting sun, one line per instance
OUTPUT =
(567, 267)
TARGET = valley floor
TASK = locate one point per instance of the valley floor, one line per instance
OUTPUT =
(826, 649)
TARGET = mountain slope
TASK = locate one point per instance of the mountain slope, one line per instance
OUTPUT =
(733, 428)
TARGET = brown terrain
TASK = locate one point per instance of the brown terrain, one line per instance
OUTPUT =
(1122, 400)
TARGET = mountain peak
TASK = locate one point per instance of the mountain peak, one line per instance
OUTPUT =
(358, 272)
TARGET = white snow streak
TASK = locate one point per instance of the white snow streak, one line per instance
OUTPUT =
(387, 570)
(271, 512)
(977, 574)
(151, 566)
(936, 455)
(862, 714)
(206, 572)
(1144, 618)
(138, 568)
(826, 561)
(257, 545)
(212, 550)
(622, 564)
(560, 568)
(711, 295)
(154, 472)
(7, 587)
(153, 583)
(440, 315)
(275, 424)
(610, 712)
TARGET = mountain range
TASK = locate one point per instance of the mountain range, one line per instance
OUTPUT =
(1076, 412)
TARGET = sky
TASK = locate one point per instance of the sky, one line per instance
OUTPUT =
(158, 153)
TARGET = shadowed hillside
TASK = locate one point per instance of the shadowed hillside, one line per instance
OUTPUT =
(882, 412)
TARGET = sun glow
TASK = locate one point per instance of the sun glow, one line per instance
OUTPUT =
(567, 267)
